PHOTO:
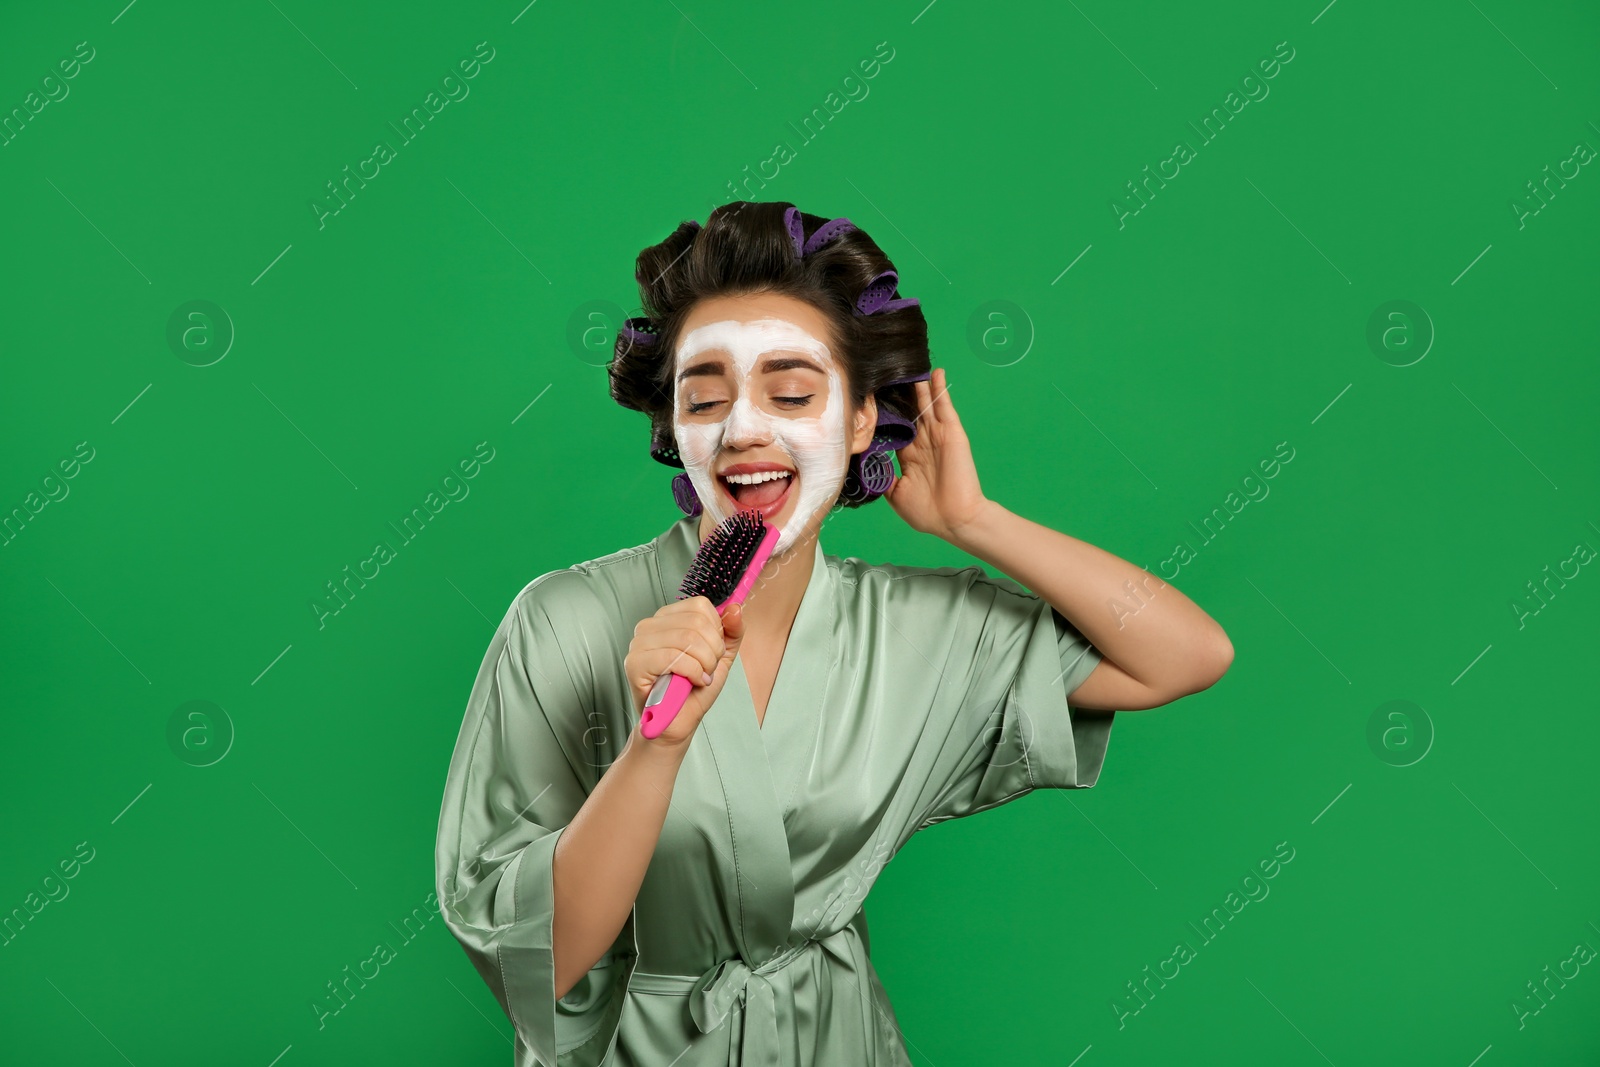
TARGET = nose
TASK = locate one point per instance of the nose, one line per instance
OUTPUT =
(748, 426)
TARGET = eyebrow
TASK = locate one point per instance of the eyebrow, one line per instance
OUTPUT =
(770, 365)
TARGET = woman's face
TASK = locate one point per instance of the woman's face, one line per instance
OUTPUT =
(762, 415)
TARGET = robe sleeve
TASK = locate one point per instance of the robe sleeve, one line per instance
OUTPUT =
(525, 760)
(1002, 719)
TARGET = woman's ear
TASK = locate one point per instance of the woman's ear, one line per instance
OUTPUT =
(866, 421)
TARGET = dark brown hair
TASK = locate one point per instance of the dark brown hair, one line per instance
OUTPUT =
(746, 248)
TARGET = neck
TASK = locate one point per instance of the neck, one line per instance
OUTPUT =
(775, 598)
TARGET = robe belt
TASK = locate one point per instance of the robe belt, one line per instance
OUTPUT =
(732, 985)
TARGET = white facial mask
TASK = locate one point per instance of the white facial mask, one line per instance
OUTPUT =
(815, 444)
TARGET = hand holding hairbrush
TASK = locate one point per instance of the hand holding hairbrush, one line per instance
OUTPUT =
(724, 571)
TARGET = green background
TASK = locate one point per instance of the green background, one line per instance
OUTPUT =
(1121, 401)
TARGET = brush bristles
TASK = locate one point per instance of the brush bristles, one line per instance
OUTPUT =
(722, 560)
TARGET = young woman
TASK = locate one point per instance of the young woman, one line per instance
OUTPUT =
(696, 898)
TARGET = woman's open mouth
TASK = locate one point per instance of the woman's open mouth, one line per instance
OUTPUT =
(766, 492)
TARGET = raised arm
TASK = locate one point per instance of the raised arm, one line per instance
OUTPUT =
(1172, 648)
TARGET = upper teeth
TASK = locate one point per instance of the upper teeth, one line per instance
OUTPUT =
(759, 476)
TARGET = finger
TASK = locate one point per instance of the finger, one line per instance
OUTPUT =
(733, 622)
(924, 403)
(703, 614)
(942, 406)
(683, 664)
(673, 661)
(913, 453)
(667, 630)
(700, 604)
(689, 608)
(685, 648)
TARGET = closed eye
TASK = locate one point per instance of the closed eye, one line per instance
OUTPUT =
(796, 401)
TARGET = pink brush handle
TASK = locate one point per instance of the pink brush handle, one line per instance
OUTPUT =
(665, 701)
(672, 689)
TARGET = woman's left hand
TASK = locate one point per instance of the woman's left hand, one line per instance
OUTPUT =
(937, 491)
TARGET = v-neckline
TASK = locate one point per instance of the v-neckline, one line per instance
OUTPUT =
(761, 713)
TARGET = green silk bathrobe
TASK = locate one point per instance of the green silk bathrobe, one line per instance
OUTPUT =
(906, 696)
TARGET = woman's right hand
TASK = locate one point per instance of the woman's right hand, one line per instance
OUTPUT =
(687, 637)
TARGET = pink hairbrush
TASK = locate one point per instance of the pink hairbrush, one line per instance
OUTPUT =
(724, 571)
